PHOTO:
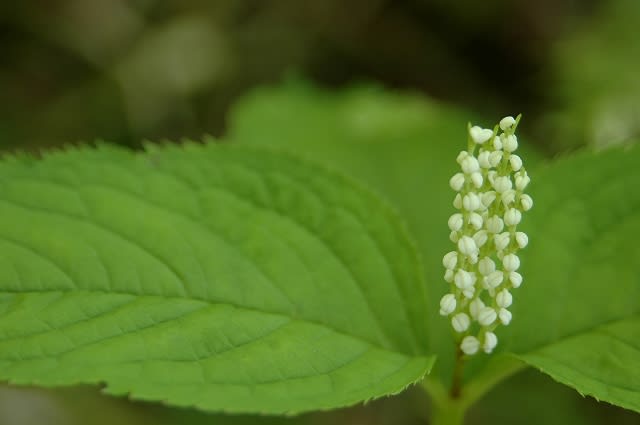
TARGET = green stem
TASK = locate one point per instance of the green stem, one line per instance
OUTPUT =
(449, 413)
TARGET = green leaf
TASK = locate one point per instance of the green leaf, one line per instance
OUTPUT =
(578, 315)
(219, 277)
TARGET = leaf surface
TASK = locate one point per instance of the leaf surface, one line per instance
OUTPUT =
(224, 278)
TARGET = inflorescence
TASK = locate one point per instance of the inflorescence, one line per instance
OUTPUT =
(490, 201)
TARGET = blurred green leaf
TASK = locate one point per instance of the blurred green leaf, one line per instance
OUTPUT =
(212, 276)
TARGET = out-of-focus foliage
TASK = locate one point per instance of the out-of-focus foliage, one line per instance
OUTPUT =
(596, 95)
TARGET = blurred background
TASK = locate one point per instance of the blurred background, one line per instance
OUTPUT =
(128, 71)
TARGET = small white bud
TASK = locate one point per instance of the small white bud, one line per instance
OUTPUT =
(504, 298)
(448, 276)
(491, 176)
(516, 162)
(447, 304)
(490, 342)
(488, 198)
(509, 143)
(480, 135)
(471, 201)
(480, 238)
(511, 262)
(469, 292)
(457, 181)
(516, 279)
(477, 180)
(461, 156)
(505, 316)
(497, 144)
(467, 246)
(512, 217)
(463, 279)
(470, 165)
(454, 237)
(522, 181)
(502, 184)
(502, 240)
(450, 260)
(460, 322)
(470, 345)
(457, 201)
(494, 224)
(495, 157)
(486, 266)
(526, 202)
(494, 279)
(483, 159)
(456, 221)
(522, 239)
(476, 220)
(508, 197)
(474, 307)
(486, 316)
(506, 123)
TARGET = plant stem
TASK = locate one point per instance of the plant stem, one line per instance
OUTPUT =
(456, 382)
(451, 412)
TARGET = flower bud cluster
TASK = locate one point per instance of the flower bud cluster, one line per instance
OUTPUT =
(483, 269)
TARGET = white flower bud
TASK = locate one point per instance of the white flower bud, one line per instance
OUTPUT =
(447, 304)
(522, 181)
(526, 202)
(457, 181)
(476, 220)
(469, 292)
(506, 123)
(480, 238)
(494, 279)
(497, 144)
(461, 156)
(511, 262)
(471, 201)
(460, 322)
(486, 316)
(486, 266)
(457, 201)
(488, 198)
(512, 217)
(474, 307)
(483, 159)
(467, 246)
(516, 162)
(450, 260)
(502, 240)
(504, 298)
(454, 237)
(508, 197)
(505, 316)
(448, 276)
(509, 143)
(516, 279)
(490, 342)
(477, 180)
(480, 135)
(463, 279)
(470, 345)
(470, 165)
(502, 184)
(456, 221)
(495, 157)
(522, 239)
(494, 224)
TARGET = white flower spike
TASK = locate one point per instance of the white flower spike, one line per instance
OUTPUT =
(490, 202)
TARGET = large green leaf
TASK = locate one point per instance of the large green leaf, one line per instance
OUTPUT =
(579, 314)
(210, 276)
